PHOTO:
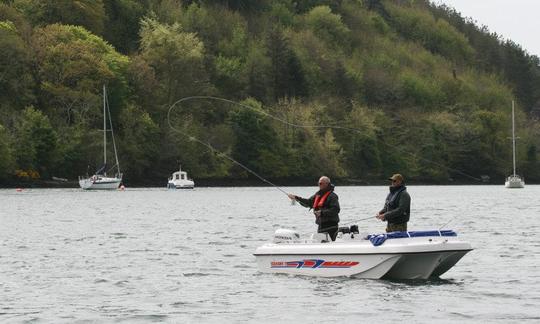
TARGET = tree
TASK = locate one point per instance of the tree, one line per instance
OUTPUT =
(6, 154)
(176, 57)
(139, 144)
(122, 21)
(328, 26)
(73, 65)
(87, 13)
(16, 81)
(286, 74)
(36, 142)
(257, 145)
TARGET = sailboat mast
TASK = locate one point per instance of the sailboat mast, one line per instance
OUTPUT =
(513, 139)
(104, 129)
(113, 141)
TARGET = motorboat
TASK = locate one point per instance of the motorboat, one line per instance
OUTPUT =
(514, 180)
(180, 180)
(395, 255)
(101, 180)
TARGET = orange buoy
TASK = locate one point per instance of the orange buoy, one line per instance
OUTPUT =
(18, 189)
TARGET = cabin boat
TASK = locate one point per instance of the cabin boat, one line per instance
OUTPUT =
(180, 180)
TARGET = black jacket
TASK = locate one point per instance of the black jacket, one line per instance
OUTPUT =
(397, 207)
(330, 209)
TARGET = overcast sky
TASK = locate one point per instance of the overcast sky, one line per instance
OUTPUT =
(517, 20)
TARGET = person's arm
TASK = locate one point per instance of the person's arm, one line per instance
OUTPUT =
(306, 202)
(332, 209)
(404, 202)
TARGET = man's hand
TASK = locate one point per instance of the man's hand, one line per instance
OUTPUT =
(380, 216)
(291, 196)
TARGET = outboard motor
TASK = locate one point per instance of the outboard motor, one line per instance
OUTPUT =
(354, 229)
(283, 235)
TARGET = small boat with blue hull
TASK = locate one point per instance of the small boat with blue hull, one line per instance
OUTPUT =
(396, 255)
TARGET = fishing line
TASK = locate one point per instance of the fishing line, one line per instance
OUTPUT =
(283, 121)
(213, 149)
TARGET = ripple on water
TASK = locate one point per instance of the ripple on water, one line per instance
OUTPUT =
(137, 257)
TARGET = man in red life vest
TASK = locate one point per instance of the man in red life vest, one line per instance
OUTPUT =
(325, 205)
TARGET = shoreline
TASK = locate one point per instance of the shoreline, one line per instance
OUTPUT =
(217, 183)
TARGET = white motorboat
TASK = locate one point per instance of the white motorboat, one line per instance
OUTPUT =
(514, 180)
(100, 180)
(397, 255)
(180, 180)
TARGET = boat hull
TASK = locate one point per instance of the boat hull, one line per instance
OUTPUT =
(100, 184)
(407, 258)
(183, 185)
(514, 183)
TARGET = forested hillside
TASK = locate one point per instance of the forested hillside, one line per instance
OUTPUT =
(427, 92)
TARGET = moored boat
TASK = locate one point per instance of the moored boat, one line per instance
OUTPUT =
(397, 255)
(100, 180)
(514, 180)
(180, 180)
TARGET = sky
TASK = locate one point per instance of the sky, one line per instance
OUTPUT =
(517, 20)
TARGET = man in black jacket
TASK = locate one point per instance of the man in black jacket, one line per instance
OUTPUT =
(397, 207)
(325, 205)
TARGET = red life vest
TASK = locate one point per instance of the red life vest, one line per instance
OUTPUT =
(319, 200)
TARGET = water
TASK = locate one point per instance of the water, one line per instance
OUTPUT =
(152, 255)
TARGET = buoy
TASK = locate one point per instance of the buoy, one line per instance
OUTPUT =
(18, 189)
(122, 187)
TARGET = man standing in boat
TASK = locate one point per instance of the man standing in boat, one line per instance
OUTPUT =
(397, 207)
(325, 205)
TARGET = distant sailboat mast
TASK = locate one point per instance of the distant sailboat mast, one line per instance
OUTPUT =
(112, 135)
(513, 139)
(104, 132)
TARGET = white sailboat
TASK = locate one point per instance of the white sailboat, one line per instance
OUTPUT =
(100, 180)
(514, 180)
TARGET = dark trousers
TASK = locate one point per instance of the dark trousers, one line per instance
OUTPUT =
(329, 227)
(396, 227)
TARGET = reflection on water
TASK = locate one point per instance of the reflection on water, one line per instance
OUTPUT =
(152, 255)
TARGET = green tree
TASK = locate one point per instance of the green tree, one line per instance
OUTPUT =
(122, 21)
(286, 74)
(328, 26)
(176, 57)
(6, 154)
(16, 81)
(257, 145)
(87, 13)
(73, 65)
(139, 144)
(36, 143)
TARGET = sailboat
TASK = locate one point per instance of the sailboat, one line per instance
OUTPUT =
(100, 180)
(514, 180)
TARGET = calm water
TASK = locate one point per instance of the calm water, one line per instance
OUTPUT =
(152, 255)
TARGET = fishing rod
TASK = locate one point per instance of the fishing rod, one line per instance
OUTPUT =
(264, 113)
(213, 149)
